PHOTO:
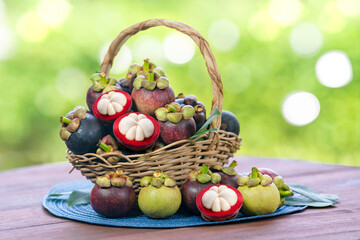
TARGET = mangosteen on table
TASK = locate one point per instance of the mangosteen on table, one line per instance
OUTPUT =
(81, 131)
(196, 181)
(219, 202)
(229, 176)
(136, 131)
(113, 195)
(101, 84)
(229, 122)
(159, 196)
(176, 122)
(110, 105)
(200, 110)
(151, 90)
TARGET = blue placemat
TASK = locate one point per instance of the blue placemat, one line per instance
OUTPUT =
(84, 213)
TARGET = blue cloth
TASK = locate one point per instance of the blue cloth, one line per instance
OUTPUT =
(84, 213)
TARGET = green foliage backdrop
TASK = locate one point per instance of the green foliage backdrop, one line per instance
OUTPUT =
(50, 61)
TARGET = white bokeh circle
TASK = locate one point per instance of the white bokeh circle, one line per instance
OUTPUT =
(306, 39)
(223, 34)
(300, 108)
(179, 48)
(333, 69)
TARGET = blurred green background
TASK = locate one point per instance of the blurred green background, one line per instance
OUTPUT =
(290, 69)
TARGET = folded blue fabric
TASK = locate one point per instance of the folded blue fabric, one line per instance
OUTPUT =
(84, 213)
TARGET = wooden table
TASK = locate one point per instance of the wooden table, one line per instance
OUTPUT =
(22, 216)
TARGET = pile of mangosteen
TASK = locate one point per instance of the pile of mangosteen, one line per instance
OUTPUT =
(139, 113)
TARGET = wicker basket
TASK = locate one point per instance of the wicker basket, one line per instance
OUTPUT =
(178, 158)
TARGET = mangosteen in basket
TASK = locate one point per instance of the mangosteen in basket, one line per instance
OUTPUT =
(200, 110)
(229, 122)
(110, 105)
(229, 176)
(196, 181)
(136, 131)
(108, 145)
(176, 122)
(81, 131)
(113, 195)
(151, 90)
(101, 84)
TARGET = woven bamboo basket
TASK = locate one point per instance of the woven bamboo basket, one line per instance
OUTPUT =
(176, 159)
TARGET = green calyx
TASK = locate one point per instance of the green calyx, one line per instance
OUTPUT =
(204, 175)
(149, 72)
(103, 84)
(174, 112)
(230, 171)
(158, 180)
(284, 189)
(114, 179)
(71, 122)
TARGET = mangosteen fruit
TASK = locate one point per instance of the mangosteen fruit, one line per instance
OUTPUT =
(229, 122)
(112, 195)
(219, 202)
(136, 131)
(101, 84)
(159, 196)
(110, 105)
(176, 122)
(229, 176)
(136, 70)
(81, 131)
(199, 107)
(260, 194)
(151, 90)
(268, 171)
(196, 181)
(108, 145)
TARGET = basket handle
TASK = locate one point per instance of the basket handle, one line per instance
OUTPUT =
(217, 88)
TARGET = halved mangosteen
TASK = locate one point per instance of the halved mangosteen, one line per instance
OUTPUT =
(219, 202)
(110, 105)
(136, 131)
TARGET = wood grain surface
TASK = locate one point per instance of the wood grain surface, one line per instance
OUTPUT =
(22, 216)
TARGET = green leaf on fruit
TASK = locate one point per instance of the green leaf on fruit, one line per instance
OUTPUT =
(305, 196)
(204, 129)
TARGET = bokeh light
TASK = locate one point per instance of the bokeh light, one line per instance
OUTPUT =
(53, 12)
(333, 69)
(179, 48)
(122, 60)
(70, 81)
(331, 19)
(49, 102)
(285, 12)
(147, 46)
(300, 108)
(306, 39)
(235, 77)
(31, 28)
(7, 42)
(349, 7)
(262, 27)
(223, 34)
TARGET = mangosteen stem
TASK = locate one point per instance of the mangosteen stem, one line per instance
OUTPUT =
(65, 120)
(105, 147)
(254, 172)
(205, 169)
(103, 78)
(146, 65)
(233, 164)
(151, 76)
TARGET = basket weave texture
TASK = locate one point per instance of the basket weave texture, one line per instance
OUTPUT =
(176, 159)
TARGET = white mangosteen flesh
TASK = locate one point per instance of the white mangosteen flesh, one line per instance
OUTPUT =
(219, 198)
(111, 103)
(136, 127)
